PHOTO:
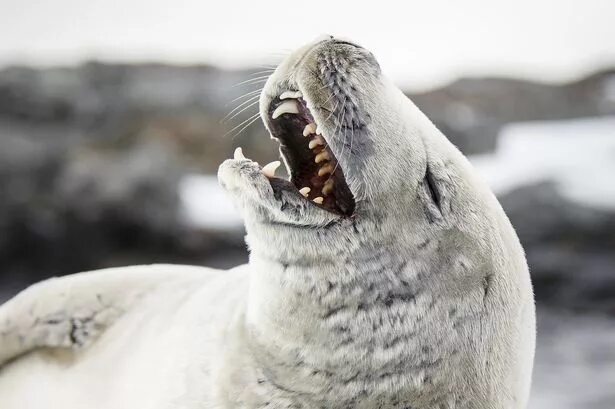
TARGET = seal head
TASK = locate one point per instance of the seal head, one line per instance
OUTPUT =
(352, 143)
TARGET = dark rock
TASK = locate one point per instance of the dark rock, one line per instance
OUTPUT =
(570, 247)
(65, 212)
(471, 112)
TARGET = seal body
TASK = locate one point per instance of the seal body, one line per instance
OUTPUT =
(383, 274)
(131, 344)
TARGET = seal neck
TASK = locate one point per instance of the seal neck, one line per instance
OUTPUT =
(317, 324)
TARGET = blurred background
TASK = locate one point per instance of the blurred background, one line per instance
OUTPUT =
(112, 125)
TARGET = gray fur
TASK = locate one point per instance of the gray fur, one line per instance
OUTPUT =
(420, 300)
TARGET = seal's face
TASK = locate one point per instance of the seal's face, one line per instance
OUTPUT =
(313, 106)
(343, 137)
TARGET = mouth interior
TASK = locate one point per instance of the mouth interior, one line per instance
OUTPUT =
(313, 168)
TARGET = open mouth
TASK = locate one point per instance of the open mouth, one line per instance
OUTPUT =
(313, 168)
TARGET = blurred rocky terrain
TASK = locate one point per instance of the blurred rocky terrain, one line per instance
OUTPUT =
(471, 112)
(570, 248)
(91, 157)
(96, 160)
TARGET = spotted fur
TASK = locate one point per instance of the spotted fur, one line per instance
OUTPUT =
(420, 300)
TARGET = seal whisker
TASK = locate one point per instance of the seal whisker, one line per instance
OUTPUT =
(343, 149)
(247, 94)
(267, 71)
(247, 125)
(351, 135)
(333, 94)
(262, 78)
(250, 102)
(332, 112)
(250, 121)
(339, 116)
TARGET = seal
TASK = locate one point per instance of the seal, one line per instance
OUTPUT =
(383, 273)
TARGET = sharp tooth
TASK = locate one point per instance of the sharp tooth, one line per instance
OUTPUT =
(291, 94)
(286, 107)
(328, 187)
(324, 155)
(269, 169)
(325, 170)
(309, 129)
(318, 200)
(314, 143)
(317, 130)
(304, 191)
(238, 154)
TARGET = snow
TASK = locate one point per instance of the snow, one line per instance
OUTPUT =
(205, 205)
(578, 155)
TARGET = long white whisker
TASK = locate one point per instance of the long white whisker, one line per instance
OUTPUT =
(329, 99)
(254, 119)
(247, 94)
(342, 113)
(270, 66)
(352, 133)
(332, 111)
(338, 125)
(343, 149)
(242, 110)
(252, 80)
(242, 123)
(267, 71)
(326, 86)
(250, 101)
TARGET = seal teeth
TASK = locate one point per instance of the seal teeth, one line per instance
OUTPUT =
(291, 94)
(325, 170)
(304, 191)
(287, 107)
(238, 154)
(318, 200)
(269, 169)
(314, 143)
(324, 155)
(309, 129)
(328, 187)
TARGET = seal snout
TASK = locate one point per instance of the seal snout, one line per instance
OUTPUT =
(312, 105)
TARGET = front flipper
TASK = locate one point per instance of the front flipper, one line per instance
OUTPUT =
(72, 311)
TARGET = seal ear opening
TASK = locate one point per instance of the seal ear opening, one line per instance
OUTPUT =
(435, 192)
(430, 185)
